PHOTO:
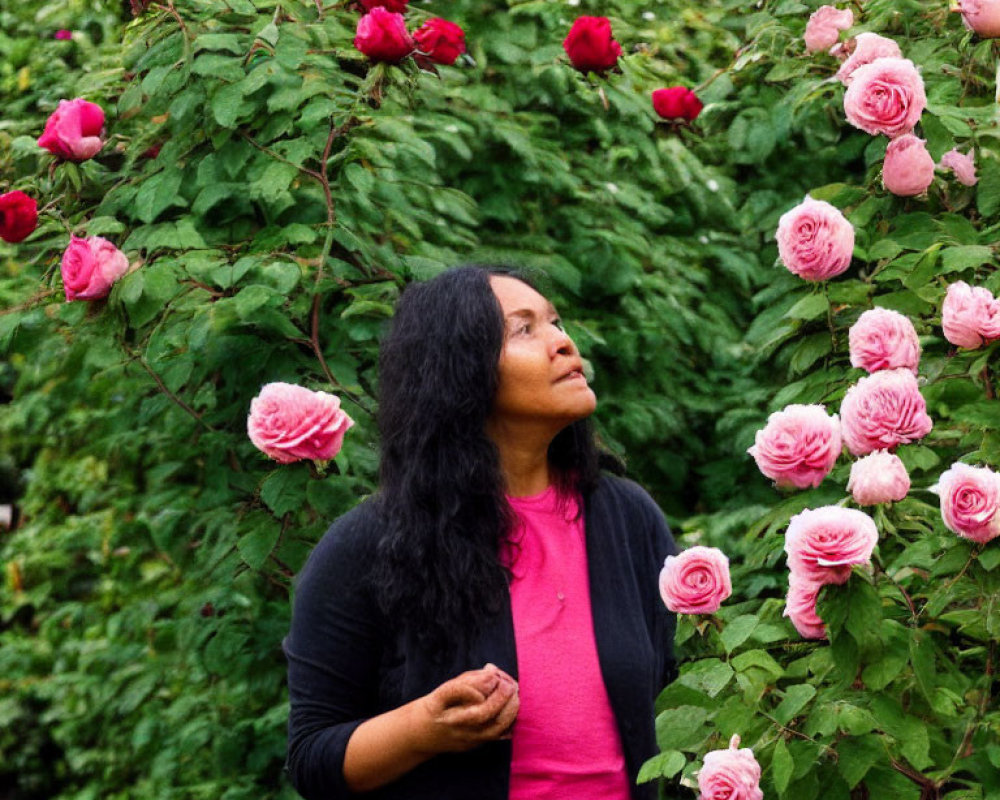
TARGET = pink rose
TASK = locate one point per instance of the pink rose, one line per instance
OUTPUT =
(798, 446)
(815, 241)
(883, 339)
(62, 34)
(864, 49)
(382, 36)
(290, 423)
(981, 16)
(591, 46)
(440, 40)
(74, 130)
(90, 266)
(970, 499)
(823, 543)
(879, 477)
(885, 96)
(800, 607)
(964, 166)
(824, 27)
(18, 216)
(883, 410)
(696, 581)
(395, 6)
(676, 102)
(908, 168)
(731, 774)
(970, 315)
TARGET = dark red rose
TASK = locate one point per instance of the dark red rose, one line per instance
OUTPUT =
(676, 103)
(441, 41)
(395, 6)
(382, 36)
(590, 46)
(18, 216)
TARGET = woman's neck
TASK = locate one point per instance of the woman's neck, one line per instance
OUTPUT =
(524, 461)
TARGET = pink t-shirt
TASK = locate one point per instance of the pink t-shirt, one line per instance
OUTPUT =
(566, 744)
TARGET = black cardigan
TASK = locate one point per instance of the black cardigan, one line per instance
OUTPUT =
(343, 667)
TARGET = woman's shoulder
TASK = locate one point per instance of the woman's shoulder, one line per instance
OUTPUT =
(349, 544)
(625, 496)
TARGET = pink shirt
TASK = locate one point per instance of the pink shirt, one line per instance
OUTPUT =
(566, 744)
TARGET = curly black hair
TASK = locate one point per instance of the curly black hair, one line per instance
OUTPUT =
(442, 498)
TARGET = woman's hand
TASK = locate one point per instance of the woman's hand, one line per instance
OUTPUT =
(475, 707)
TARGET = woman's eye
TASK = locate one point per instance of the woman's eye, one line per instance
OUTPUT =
(521, 328)
(559, 324)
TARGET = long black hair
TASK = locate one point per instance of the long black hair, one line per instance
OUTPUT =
(441, 499)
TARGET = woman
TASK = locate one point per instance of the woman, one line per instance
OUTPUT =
(488, 625)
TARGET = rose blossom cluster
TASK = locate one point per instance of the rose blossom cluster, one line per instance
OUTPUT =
(822, 546)
(730, 774)
(970, 316)
(382, 35)
(798, 447)
(696, 581)
(291, 423)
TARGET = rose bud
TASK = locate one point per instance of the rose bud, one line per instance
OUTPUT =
(290, 423)
(864, 49)
(731, 774)
(62, 35)
(74, 129)
(677, 102)
(798, 446)
(883, 410)
(879, 477)
(970, 500)
(824, 543)
(815, 240)
(590, 45)
(908, 168)
(18, 216)
(981, 16)
(886, 96)
(395, 6)
(90, 266)
(800, 607)
(696, 581)
(964, 166)
(970, 316)
(824, 27)
(883, 339)
(440, 40)
(382, 36)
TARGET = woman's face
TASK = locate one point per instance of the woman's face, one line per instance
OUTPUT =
(541, 373)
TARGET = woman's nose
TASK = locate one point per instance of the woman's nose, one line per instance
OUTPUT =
(561, 344)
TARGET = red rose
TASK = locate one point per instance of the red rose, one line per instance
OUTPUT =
(441, 41)
(590, 46)
(18, 216)
(395, 6)
(382, 36)
(676, 103)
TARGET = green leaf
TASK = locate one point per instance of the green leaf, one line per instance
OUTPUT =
(158, 193)
(812, 306)
(796, 698)
(857, 755)
(681, 728)
(758, 659)
(738, 630)
(226, 104)
(662, 765)
(257, 543)
(988, 187)
(782, 766)
(955, 259)
(284, 489)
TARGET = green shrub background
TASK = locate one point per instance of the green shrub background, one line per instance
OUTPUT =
(296, 190)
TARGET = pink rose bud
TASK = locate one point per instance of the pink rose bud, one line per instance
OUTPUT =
(970, 316)
(290, 423)
(883, 339)
(886, 96)
(824, 543)
(815, 241)
(591, 46)
(677, 102)
(879, 477)
(731, 774)
(440, 40)
(382, 36)
(18, 216)
(696, 581)
(864, 49)
(395, 6)
(90, 266)
(62, 34)
(908, 168)
(883, 410)
(74, 130)
(981, 16)
(824, 27)
(800, 607)
(970, 500)
(964, 166)
(798, 447)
